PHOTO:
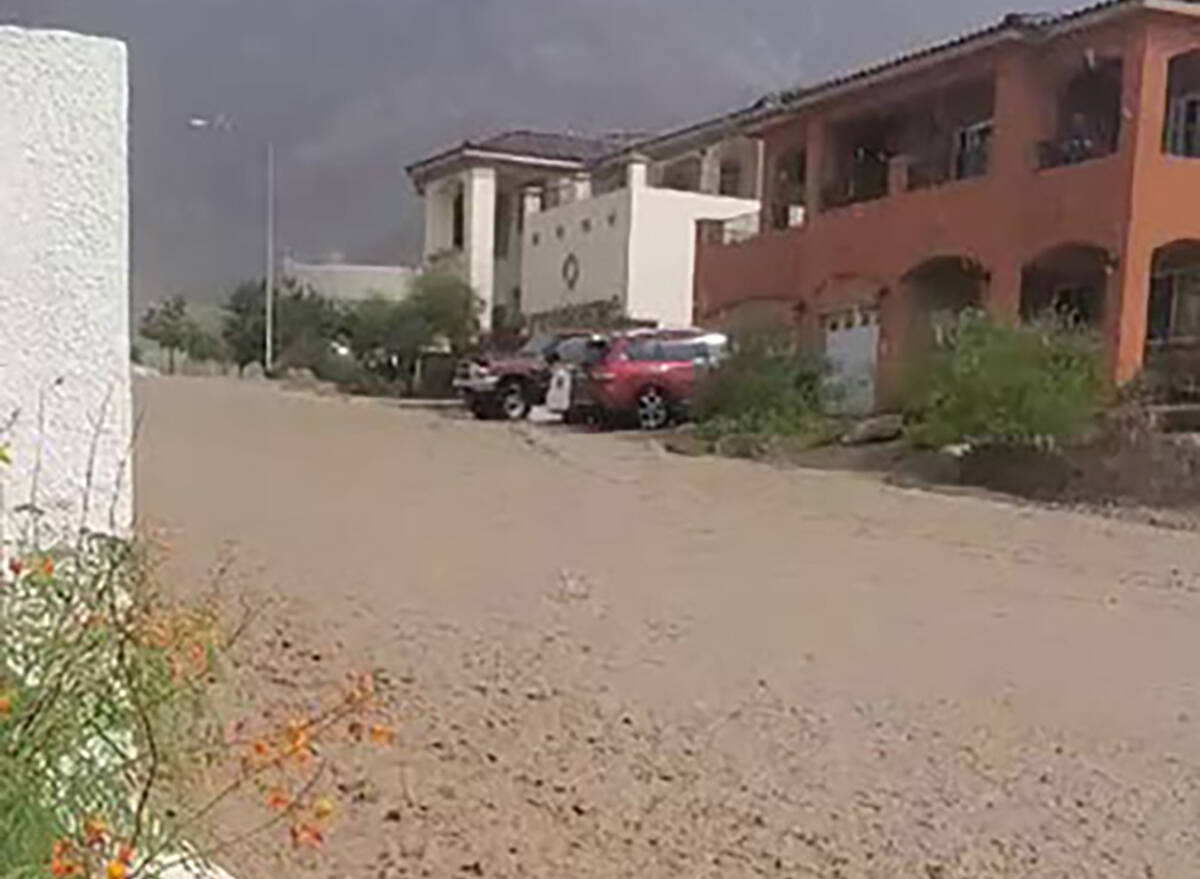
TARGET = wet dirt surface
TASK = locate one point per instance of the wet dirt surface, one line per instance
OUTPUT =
(611, 661)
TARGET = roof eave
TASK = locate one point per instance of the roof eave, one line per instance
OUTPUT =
(430, 169)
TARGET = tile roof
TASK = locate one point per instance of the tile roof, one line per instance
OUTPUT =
(1017, 23)
(552, 145)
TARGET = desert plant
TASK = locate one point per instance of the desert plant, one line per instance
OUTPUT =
(990, 383)
(766, 386)
(170, 326)
(113, 751)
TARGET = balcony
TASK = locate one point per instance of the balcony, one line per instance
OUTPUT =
(1059, 153)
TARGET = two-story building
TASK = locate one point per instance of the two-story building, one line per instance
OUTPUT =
(564, 229)
(1047, 161)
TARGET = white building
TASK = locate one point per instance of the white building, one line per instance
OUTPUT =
(346, 282)
(558, 227)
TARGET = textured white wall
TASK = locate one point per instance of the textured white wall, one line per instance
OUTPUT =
(64, 274)
(602, 253)
(662, 250)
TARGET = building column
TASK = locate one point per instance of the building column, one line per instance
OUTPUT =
(480, 239)
(635, 171)
(581, 186)
(531, 200)
(439, 207)
(1143, 111)
(760, 169)
(710, 171)
(814, 168)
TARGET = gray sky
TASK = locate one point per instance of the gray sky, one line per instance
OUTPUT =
(351, 90)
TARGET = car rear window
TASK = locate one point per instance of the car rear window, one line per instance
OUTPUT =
(669, 350)
(573, 350)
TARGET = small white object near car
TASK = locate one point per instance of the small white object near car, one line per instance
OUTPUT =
(558, 397)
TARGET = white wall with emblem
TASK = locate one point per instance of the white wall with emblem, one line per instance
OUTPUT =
(576, 253)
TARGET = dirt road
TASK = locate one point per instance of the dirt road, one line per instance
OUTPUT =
(617, 662)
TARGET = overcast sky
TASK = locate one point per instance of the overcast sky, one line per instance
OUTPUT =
(352, 90)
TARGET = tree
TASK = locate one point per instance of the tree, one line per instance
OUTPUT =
(448, 306)
(243, 326)
(169, 325)
(203, 344)
(305, 324)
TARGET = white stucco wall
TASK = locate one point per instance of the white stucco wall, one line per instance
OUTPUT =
(601, 251)
(64, 275)
(662, 250)
(347, 283)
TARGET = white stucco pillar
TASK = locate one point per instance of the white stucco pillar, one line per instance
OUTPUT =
(65, 402)
(531, 200)
(581, 186)
(710, 171)
(479, 185)
(439, 210)
(635, 171)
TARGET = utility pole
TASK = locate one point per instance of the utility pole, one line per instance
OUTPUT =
(225, 124)
(270, 291)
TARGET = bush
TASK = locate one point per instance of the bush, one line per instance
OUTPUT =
(766, 387)
(994, 384)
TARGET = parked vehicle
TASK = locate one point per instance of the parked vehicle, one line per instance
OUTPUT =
(650, 376)
(509, 385)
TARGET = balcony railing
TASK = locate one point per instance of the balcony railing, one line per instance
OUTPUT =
(842, 193)
(1073, 151)
(741, 228)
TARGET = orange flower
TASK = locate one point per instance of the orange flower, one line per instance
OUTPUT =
(262, 748)
(198, 656)
(125, 854)
(278, 800)
(48, 566)
(307, 836)
(61, 863)
(116, 870)
(323, 808)
(6, 704)
(381, 734)
(95, 830)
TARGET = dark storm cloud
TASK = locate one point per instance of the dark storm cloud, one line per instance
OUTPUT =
(352, 89)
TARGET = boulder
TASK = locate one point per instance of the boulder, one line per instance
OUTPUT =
(254, 371)
(878, 429)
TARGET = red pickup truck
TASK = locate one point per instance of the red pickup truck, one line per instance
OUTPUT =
(507, 386)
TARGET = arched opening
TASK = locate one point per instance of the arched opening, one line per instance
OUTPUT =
(937, 291)
(1067, 282)
(1181, 128)
(1173, 313)
(1088, 115)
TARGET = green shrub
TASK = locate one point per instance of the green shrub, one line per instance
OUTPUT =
(766, 386)
(996, 384)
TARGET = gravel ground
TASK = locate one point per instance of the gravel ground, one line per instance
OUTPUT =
(609, 661)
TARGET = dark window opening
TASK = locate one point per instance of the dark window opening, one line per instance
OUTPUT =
(1089, 117)
(731, 178)
(503, 216)
(458, 234)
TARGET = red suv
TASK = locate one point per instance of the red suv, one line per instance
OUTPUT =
(650, 375)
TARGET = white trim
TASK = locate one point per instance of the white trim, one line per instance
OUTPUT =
(1178, 7)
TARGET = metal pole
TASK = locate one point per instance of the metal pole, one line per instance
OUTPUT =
(270, 280)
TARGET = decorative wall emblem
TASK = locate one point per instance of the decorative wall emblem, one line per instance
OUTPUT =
(570, 271)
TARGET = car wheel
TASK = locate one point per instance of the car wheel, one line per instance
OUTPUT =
(479, 408)
(653, 408)
(511, 403)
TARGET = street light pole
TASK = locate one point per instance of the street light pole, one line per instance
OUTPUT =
(270, 291)
(224, 123)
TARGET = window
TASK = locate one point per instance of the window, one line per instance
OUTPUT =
(458, 235)
(560, 232)
(731, 178)
(573, 350)
(1183, 126)
(586, 225)
(668, 350)
(1174, 306)
(971, 150)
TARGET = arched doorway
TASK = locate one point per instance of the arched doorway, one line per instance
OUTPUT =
(1067, 283)
(937, 291)
(1172, 358)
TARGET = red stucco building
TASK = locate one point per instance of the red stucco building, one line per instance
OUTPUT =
(1045, 161)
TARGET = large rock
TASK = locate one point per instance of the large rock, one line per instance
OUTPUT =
(879, 429)
(254, 371)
